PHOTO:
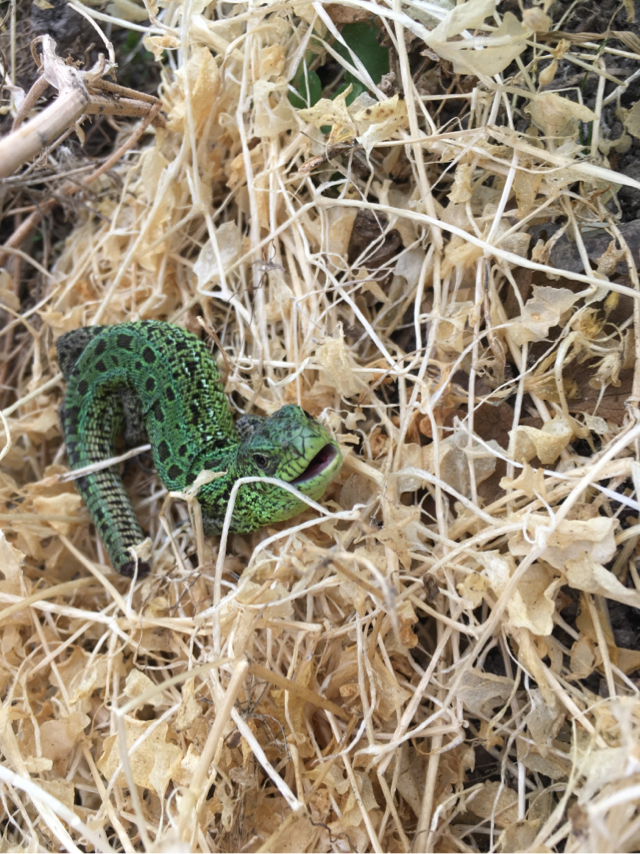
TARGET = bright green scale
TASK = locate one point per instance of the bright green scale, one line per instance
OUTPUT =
(159, 382)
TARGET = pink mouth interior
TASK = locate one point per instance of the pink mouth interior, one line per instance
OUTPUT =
(318, 464)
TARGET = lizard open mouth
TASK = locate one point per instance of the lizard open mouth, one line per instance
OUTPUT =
(318, 464)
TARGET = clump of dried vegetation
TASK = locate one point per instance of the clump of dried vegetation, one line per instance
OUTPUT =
(445, 655)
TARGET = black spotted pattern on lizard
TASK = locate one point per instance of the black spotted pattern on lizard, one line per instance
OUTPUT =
(157, 381)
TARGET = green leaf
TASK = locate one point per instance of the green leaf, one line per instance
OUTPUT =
(308, 88)
(362, 38)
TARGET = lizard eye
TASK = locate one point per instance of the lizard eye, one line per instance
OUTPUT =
(261, 461)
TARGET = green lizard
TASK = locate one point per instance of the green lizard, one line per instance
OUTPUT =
(158, 381)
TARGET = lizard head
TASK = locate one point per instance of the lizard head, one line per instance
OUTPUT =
(292, 446)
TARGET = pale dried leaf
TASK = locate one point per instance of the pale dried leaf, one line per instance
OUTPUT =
(547, 444)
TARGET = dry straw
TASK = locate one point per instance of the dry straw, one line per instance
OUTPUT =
(430, 659)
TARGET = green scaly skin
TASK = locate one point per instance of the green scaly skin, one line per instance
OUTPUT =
(158, 382)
